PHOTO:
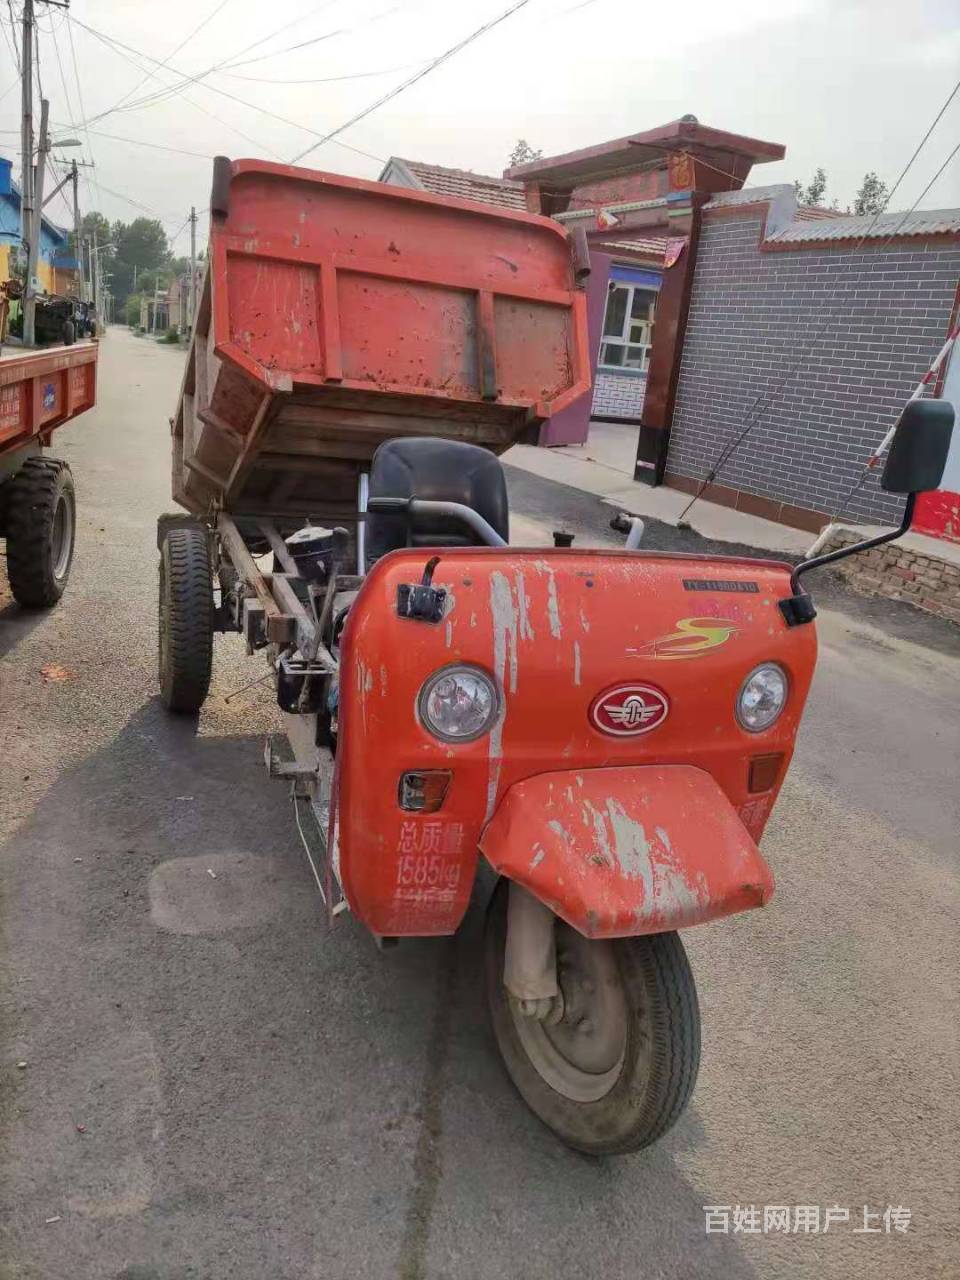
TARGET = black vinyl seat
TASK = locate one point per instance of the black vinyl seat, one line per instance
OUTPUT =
(439, 471)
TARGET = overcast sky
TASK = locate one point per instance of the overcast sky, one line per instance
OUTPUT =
(850, 85)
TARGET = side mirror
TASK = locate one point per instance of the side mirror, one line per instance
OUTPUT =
(919, 449)
(915, 463)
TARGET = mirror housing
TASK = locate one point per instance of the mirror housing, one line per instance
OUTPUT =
(919, 449)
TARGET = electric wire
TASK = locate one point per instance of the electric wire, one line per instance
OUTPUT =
(296, 124)
(152, 74)
(332, 135)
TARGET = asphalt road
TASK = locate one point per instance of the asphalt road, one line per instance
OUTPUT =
(260, 1098)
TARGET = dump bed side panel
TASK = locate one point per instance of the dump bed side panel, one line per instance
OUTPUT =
(339, 313)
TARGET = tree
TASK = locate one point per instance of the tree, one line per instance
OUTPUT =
(872, 196)
(142, 243)
(815, 192)
(523, 153)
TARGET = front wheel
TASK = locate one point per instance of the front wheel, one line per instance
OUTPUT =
(612, 1067)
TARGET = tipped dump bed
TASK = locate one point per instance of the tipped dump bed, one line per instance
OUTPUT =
(337, 313)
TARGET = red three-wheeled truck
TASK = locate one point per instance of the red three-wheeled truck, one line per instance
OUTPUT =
(609, 729)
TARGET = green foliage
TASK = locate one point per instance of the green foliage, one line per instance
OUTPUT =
(814, 193)
(872, 196)
(523, 153)
(133, 310)
(171, 336)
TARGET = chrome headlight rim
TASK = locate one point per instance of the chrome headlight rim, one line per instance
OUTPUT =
(444, 672)
(738, 706)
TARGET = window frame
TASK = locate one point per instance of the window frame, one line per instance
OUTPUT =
(623, 340)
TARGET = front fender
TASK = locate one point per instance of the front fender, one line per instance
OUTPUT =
(626, 851)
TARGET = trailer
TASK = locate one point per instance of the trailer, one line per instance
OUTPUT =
(40, 390)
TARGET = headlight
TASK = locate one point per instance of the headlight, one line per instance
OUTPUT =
(763, 696)
(458, 704)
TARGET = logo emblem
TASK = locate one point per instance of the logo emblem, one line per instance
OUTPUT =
(692, 637)
(629, 709)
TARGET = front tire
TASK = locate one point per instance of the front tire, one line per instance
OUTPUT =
(614, 1073)
(185, 619)
(41, 521)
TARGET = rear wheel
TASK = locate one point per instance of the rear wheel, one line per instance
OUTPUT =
(186, 619)
(41, 519)
(612, 1067)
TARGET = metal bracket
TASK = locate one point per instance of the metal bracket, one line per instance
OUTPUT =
(289, 769)
(420, 603)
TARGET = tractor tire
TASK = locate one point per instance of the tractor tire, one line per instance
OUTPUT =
(185, 620)
(41, 521)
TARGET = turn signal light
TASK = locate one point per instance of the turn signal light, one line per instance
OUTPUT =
(423, 791)
(764, 771)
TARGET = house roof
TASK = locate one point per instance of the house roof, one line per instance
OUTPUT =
(461, 182)
(630, 153)
(790, 226)
(56, 233)
(650, 246)
(925, 222)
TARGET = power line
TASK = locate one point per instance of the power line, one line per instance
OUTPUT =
(764, 399)
(444, 57)
(151, 74)
(353, 75)
(188, 79)
(83, 110)
(296, 124)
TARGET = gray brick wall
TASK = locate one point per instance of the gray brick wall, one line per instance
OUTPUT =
(875, 317)
(618, 395)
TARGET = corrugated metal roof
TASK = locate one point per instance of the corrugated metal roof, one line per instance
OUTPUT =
(806, 224)
(468, 186)
(925, 222)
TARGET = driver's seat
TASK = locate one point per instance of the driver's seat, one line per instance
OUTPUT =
(436, 470)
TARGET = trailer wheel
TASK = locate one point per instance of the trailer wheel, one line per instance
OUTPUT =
(186, 619)
(69, 333)
(41, 524)
(613, 1068)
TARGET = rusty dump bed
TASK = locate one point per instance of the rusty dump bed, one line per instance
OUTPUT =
(338, 313)
(41, 388)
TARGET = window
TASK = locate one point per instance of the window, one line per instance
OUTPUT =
(628, 327)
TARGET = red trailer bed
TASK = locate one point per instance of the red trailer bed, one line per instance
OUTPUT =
(338, 313)
(42, 389)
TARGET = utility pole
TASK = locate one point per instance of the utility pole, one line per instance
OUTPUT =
(193, 271)
(28, 202)
(75, 179)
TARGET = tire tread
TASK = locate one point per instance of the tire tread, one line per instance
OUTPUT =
(186, 614)
(30, 509)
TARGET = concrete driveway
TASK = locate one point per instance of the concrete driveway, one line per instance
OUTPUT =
(217, 1087)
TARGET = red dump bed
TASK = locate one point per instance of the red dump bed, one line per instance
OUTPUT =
(337, 313)
(43, 388)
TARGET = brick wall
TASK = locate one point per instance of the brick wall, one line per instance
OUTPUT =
(618, 395)
(883, 312)
(900, 572)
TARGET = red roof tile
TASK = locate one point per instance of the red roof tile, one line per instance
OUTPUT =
(468, 186)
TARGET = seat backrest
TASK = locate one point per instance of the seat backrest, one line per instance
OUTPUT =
(438, 470)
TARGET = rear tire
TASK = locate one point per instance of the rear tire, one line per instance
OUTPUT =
(41, 521)
(634, 1102)
(186, 619)
(69, 333)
